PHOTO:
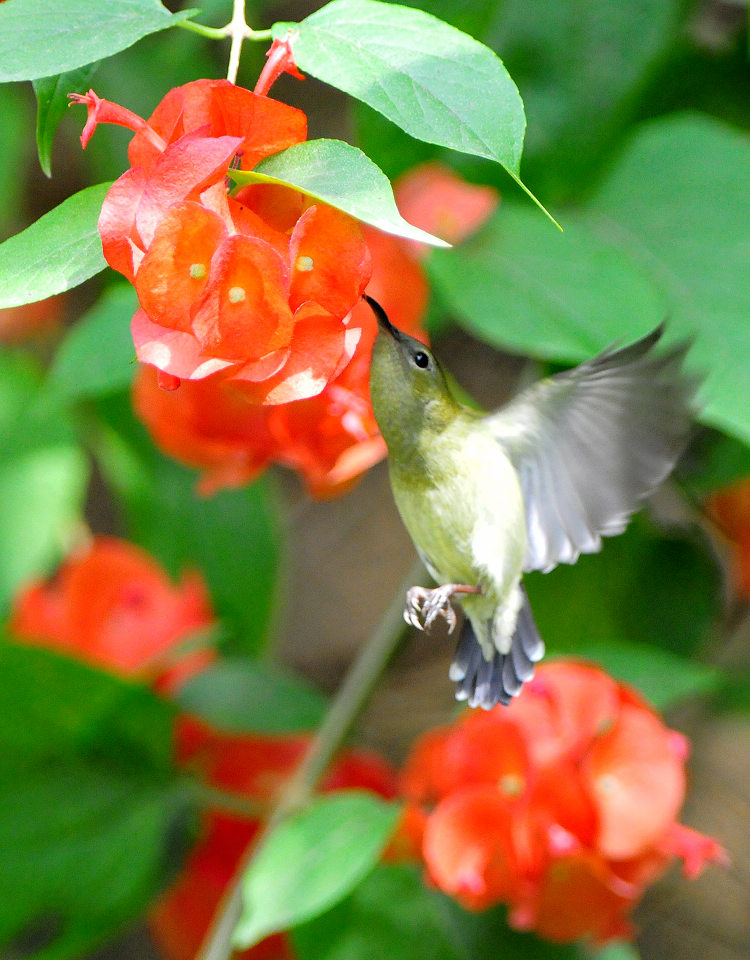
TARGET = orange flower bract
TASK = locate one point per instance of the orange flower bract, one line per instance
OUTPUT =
(244, 284)
(562, 806)
(331, 437)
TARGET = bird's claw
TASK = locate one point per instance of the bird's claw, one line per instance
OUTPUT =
(424, 606)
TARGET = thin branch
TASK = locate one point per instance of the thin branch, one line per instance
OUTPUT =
(348, 702)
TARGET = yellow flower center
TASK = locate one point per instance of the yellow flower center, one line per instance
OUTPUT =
(236, 294)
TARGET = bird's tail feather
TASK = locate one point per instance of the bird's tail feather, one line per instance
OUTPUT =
(485, 683)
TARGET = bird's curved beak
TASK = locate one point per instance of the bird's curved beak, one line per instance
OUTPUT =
(382, 317)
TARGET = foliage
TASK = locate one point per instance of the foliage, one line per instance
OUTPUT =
(149, 729)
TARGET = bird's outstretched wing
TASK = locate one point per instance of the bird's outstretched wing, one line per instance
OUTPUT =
(590, 443)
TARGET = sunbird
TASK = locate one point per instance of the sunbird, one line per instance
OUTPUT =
(487, 497)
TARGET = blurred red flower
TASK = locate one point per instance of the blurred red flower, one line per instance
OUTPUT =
(18, 324)
(331, 438)
(260, 284)
(730, 508)
(253, 768)
(112, 605)
(562, 806)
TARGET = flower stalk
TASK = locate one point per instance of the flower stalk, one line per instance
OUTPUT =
(347, 704)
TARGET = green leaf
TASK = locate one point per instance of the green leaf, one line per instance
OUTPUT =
(83, 31)
(665, 236)
(642, 607)
(715, 461)
(250, 696)
(52, 104)
(435, 82)
(677, 199)
(342, 176)
(43, 476)
(643, 587)
(96, 357)
(662, 677)
(560, 296)
(392, 914)
(582, 68)
(59, 251)
(53, 705)
(311, 861)
(88, 798)
(14, 110)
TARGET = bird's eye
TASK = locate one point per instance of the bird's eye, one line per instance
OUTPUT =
(421, 359)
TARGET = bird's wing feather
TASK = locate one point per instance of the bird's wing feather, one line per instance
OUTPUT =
(589, 444)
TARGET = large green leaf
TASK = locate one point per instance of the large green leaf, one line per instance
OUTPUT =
(679, 200)
(88, 798)
(96, 357)
(665, 236)
(393, 914)
(83, 31)
(435, 82)
(661, 589)
(311, 861)
(252, 696)
(52, 104)
(14, 155)
(53, 705)
(561, 296)
(59, 251)
(342, 176)
(582, 68)
(42, 475)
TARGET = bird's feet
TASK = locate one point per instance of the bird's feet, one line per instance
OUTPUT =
(424, 606)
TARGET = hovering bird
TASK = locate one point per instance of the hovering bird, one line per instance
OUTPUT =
(487, 497)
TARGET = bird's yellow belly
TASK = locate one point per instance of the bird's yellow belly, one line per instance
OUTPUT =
(467, 520)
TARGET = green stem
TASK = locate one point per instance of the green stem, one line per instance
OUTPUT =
(213, 33)
(236, 804)
(346, 705)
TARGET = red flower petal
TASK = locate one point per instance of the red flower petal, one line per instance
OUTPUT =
(185, 168)
(578, 897)
(468, 847)
(206, 425)
(245, 312)
(637, 781)
(330, 260)
(693, 848)
(175, 271)
(117, 223)
(278, 207)
(563, 708)
(172, 351)
(114, 606)
(433, 197)
(265, 126)
(318, 344)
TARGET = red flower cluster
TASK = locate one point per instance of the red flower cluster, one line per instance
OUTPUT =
(562, 806)
(252, 768)
(113, 606)
(730, 508)
(331, 438)
(259, 285)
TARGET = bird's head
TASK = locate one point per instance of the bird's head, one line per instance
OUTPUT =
(408, 388)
